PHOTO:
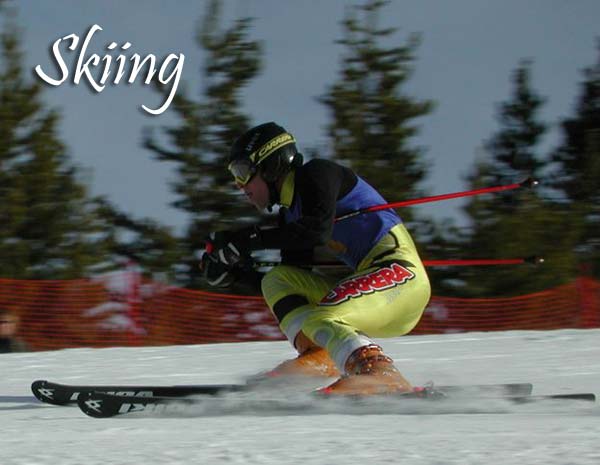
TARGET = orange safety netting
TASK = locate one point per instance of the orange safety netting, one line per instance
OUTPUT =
(95, 313)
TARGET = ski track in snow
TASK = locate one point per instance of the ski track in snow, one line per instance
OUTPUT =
(565, 361)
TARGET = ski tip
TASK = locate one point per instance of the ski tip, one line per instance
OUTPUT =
(36, 385)
(93, 405)
(40, 391)
(51, 393)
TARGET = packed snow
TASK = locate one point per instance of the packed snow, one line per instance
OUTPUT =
(565, 361)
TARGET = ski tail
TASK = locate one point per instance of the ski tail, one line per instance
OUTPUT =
(583, 396)
(503, 389)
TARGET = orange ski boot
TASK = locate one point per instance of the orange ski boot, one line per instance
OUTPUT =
(369, 371)
(311, 361)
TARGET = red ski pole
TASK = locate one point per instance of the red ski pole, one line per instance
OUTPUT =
(529, 182)
(449, 262)
(484, 261)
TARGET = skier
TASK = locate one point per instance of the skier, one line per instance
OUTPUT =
(329, 322)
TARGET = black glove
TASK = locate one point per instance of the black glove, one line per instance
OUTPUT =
(222, 246)
(215, 272)
(227, 258)
(232, 247)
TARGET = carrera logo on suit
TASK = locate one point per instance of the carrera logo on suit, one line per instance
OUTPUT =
(376, 281)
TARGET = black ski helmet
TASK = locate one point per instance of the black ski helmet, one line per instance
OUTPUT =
(268, 148)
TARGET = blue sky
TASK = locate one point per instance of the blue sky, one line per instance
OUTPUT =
(469, 50)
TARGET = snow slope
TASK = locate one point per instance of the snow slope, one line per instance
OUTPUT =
(555, 362)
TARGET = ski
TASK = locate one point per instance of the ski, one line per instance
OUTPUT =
(104, 405)
(67, 394)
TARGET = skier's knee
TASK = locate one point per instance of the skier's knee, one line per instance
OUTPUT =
(319, 328)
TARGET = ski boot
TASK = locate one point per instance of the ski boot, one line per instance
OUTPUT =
(369, 371)
(312, 361)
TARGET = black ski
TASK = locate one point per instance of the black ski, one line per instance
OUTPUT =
(66, 394)
(104, 405)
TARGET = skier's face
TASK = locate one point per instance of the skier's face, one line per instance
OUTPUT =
(257, 192)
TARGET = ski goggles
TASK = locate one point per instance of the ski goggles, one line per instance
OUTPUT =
(243, 171)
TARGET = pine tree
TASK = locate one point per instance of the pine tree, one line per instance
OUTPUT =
(577, 175)
(200, 145)
(515, 224)
(441, 240)
(48, 228)
(372, 120)
(145, 242)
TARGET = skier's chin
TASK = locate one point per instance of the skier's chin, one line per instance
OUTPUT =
(258, 205)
